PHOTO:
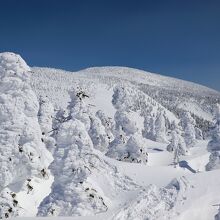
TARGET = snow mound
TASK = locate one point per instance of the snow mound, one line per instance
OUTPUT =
(154, 202)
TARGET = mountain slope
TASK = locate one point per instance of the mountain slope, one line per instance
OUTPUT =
(169, 92)
(93, 144)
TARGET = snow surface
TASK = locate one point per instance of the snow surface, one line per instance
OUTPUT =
(93, 145)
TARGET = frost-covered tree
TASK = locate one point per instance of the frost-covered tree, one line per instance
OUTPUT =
(123, 119)
(45, 114)
(117, 145)
(23, 155)
(78, 107)
(177, 144)
(45, 117)
(188, 124)
(214, 144)
(107, 123)
(160, 128)
(129, 144)
(98, 134)
(149, 127)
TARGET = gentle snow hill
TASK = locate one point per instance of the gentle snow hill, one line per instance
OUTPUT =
(169, 92)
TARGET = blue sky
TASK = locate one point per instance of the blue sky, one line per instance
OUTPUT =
(179, 38)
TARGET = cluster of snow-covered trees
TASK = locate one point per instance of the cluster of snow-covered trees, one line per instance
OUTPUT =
(77, 132)
(158, 125)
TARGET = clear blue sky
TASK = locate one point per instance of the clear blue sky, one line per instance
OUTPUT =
(179, 38)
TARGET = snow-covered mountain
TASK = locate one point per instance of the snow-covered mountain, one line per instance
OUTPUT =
(106, 142)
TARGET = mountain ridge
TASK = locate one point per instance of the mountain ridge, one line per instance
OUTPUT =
(117, 70)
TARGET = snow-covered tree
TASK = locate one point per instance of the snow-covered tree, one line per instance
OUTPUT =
(149, 127)
(45, 117)
(214, 144)
(129, 144)
(98, 134)
(23, 155)
(214, 161)
(78, 107)
(107, 123)
(177, 144)
(117, 146)
(45, 114)
(123, 119)
(188, 124)
(160, 128)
